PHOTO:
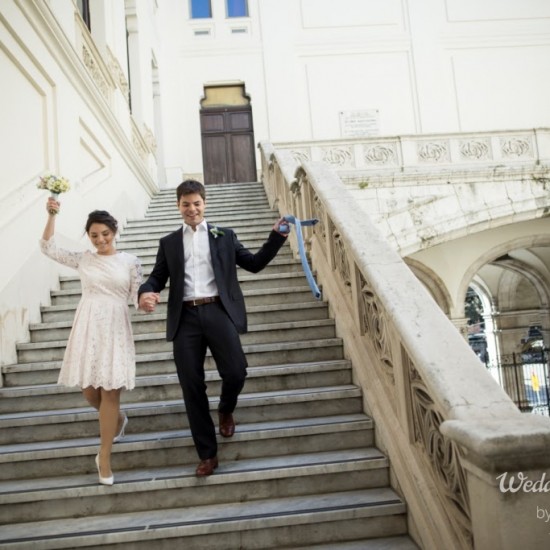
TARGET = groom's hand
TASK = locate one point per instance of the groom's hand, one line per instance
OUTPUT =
(282, 227)
(148, 301)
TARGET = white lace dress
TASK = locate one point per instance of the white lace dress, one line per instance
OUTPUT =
(100, 350)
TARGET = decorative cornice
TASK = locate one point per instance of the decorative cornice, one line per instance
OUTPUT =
(118, 74)
(41, 18)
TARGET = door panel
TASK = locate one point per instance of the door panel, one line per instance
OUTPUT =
(244, 166)
(215, 161)
(228, 151)
(212, 122)
(240, 121)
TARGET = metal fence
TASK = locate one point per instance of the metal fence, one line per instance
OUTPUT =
(524, 377)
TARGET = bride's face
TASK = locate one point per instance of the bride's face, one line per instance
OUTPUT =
(102, 238)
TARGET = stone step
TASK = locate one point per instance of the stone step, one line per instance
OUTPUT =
(379, 543)
(138, 237)
(33, 431)
(265, 284)
(213, 211)
(19, 400)
(144, 246)
(173, 446)
(213, 195)
(241, 228)
(148, 257)
(236, 193)
(265, 523)
(286, 263)
(216, 194)
(149, 248)
(235, 205)
(214, 215)
(255, 300)
(220, 188)
(158, 488)
(156, 322)
(46, 372)
(279, 268)
(156, 342)
(285, 271)
(250, 218)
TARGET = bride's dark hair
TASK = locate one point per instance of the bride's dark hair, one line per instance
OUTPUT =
(102, 216)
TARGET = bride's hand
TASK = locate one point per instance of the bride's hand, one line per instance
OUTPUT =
(53, 206)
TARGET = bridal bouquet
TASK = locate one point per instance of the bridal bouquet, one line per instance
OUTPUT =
(54, 184)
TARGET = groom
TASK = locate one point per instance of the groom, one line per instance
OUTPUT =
(205, 309)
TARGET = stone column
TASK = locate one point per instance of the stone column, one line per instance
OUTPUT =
(507, 461)
(461, 323)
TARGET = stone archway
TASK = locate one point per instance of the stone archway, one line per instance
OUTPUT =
(509, 270)
(433, 284)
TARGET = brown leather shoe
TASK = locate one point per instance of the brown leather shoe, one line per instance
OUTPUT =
(227, 424)
(206, 467)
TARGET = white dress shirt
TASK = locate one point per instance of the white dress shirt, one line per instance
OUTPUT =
(199, 274)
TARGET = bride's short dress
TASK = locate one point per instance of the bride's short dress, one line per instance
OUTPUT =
(100, 351)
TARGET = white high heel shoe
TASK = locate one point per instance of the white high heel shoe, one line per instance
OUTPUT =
(120, 434)
(103, 480)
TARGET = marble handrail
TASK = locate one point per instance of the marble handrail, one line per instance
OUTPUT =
(442, 419)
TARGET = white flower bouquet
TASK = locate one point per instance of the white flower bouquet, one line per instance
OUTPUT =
(54, 184)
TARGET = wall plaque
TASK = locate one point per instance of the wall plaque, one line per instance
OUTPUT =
(359, 123)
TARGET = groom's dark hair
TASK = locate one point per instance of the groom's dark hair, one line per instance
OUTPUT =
(188, 187)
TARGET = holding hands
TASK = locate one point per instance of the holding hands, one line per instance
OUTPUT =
(148, 301)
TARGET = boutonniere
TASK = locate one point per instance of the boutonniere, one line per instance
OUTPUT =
(215, 232)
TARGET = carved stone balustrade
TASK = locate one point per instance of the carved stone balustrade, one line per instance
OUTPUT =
(408, 154)
(451, 433)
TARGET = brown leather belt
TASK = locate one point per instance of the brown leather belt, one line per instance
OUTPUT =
(201, 301)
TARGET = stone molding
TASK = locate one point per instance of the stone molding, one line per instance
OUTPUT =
(409, 154)
(117, 74)
(91, 79)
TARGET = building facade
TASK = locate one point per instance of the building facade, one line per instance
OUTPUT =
(129, 96)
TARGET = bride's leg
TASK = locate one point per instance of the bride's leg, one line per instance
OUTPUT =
(109, 412)
(93, 396)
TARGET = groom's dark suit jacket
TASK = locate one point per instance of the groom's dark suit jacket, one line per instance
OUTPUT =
(227, 253)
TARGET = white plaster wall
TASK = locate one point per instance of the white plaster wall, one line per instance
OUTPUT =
(55, 120)
(430, 66)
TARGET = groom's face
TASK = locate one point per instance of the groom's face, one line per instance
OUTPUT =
(192, 209)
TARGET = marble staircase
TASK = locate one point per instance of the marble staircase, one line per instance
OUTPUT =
(301, 471)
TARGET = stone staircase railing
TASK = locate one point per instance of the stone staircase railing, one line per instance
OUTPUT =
(368, 160)
(455, 440)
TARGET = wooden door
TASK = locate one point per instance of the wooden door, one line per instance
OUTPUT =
(228, 149)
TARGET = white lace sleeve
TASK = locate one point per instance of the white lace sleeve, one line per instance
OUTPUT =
(136, 280)
(65, 257)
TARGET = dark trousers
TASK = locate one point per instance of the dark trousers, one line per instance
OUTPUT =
(200, 327)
